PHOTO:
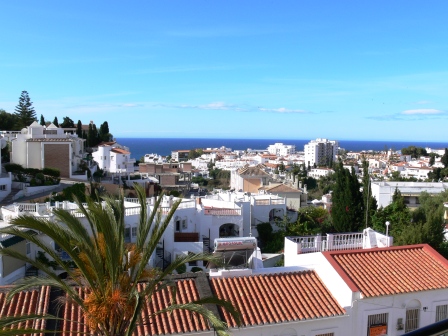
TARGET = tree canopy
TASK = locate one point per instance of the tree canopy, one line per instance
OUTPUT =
(24, 111)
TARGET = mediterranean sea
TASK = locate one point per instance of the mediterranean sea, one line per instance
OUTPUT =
(163, 146)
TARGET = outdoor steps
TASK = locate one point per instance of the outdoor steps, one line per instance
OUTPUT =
(9, 199)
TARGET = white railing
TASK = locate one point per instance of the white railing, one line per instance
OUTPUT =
(222, 212)
(270, 201)
(332, 242)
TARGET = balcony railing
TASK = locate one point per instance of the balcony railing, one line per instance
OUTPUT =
(332, 242)
(270, 201)
(181, 237)
(222, 212)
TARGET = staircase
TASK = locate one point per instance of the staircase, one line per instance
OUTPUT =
(163, 258)
(9, 199)
(206, 244)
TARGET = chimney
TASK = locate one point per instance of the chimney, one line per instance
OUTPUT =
(198, 201)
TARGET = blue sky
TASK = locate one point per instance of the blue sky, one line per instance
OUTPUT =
(344, 70)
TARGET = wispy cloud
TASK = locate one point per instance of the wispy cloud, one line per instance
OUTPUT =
(282, 110)
(411, 115)
(422, 112)
(233, 107)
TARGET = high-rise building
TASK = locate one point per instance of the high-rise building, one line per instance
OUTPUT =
(321, 152)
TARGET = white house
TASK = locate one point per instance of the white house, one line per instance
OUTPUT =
(114, 159)
(5, 178)
(49, 146)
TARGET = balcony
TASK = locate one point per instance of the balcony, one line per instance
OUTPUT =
(186, 237)
(210, 211)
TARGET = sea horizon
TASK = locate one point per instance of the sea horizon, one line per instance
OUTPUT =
(163, 146)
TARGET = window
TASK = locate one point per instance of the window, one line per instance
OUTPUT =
(28, 247)
(127, 234)
(177, 225)
(2, 187)
(412, 317)
(441, 312)
(134, 232)
(377, 324)
(192, 263)
(184, 224)
(326, 334)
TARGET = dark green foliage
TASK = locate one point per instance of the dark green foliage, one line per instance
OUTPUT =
(444, 158)
(42, 120)
(104, 133)
(196, 269)
(52, 172)
(199, 180)
(8, 121)
(67, 123)
(14, 168)
(56, 122)
(414, 152)
(194, 153)
(24, 111)
(79, 129)
(77, 190)
(32, 171)
(369, 202)
(347, 208)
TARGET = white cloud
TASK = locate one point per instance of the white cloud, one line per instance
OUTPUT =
(422, 112)
(282, 110)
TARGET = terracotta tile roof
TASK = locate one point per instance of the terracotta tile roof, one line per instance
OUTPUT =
(282, 188)
(276, 298)
(25, 303)
(393, 270)
(179, 321)
(119, 151)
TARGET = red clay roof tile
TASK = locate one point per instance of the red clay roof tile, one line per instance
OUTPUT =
(389, 271)
(273, 298)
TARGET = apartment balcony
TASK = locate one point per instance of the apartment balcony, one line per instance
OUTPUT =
(339, 242)
(269, 201)
(186, 237)
(210, 211)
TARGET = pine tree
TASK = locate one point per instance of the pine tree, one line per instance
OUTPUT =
(25, 111)
(42, 120)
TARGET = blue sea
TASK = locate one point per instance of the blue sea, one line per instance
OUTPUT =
(163, 146)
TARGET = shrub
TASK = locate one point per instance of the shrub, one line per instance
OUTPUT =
(40, 176)
(52, 172)
(32, 171)
(33, 182)
(14, 168)
(196, 269)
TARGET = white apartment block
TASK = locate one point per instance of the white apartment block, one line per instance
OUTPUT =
(280, 149)
(321, 152)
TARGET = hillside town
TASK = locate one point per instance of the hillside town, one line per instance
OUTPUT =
(318, 280)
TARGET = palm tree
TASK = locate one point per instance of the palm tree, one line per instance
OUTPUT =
(107, 268)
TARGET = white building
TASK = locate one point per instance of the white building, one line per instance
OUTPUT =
(114, 158)
(321, 152)
(383, 191)
(49, 146)
(280, 149)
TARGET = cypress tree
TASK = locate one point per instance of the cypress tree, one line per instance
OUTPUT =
(42, 120)
(346, 210)
(25, 111)
(56, 122)
(79, 129)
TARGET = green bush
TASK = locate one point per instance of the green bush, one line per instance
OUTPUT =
(196, 269)
(52, 172)
(14, 168)
(40, 176)
(32, 171)
(33, 182)
(181, 269)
